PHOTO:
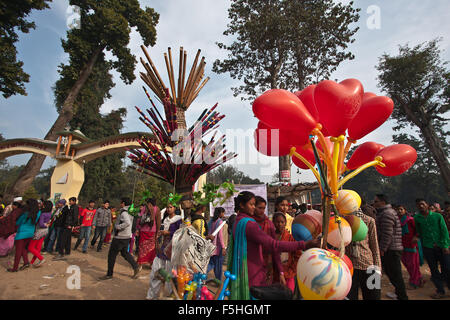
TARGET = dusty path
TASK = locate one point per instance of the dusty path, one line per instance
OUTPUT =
(50, 281)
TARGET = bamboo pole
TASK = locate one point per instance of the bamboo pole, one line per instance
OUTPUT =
(183, 78)
(180, 71)
(196, 81)
(153, 67)
(174, 90)
(191, 76)
(166, 59)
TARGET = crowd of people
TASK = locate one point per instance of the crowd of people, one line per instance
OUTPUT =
(261, 247)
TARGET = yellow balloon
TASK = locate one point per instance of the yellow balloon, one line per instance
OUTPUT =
(348, 201)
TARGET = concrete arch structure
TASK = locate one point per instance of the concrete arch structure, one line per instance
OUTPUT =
(72, 151)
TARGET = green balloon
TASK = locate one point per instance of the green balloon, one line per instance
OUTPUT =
(361, 232)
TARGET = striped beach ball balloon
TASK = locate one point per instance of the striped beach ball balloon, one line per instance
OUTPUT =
(317, 215)
(359, 228)
(335, 236)
(348, 201)
(321, 275)
(346, 259)
(305, 227)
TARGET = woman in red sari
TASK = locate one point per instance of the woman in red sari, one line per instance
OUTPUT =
(148, 225)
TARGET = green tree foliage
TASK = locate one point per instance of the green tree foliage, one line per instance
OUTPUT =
(229, 173)
(13, 17)
(105, 26)
(319, 34)
(418, 82)
(285, 44)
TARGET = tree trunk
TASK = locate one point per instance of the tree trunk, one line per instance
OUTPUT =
(435, 146)
(27, 175)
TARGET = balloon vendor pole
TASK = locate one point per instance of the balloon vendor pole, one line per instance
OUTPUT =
(325, 196)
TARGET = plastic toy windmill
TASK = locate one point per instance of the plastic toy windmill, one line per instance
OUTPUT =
(313, 125)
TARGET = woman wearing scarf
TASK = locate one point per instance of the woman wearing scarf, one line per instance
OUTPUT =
(40, 234)
(26, 226)
(245, 258)
(216, 259)
(149, 222)
(410, 255)
(267, 226)
(169, 225)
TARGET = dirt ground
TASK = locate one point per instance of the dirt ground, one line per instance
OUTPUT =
(49, 282)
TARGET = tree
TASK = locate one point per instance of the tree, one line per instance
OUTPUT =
(229, 173)
(319, 34)
(105, 26)
(418, 82)
(285, 44)
(13, 17)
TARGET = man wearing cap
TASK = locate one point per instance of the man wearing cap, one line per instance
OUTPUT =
(55, 228)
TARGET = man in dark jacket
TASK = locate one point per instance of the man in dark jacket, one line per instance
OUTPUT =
(69, 219)
(390, 241)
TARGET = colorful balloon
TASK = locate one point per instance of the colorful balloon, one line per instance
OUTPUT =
(307, 97)
(346, 259)
(359, 228)
(347, 202)
(374, 111)
(306, 152)
(363, 154)
(321, 275)
(317, 215)
(335, 236)
(282, 109)
(271, 142)
(305, 227)
(337, 104)
(397, 158)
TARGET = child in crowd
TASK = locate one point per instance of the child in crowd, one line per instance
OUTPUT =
(282, 205)
(288, 259)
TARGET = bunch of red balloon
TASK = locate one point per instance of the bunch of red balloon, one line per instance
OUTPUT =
(313, 125)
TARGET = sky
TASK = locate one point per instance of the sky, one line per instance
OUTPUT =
(199, 24)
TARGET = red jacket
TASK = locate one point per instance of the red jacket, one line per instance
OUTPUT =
(88, 216)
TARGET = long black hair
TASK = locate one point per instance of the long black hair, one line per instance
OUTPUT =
(242, 198)
(48, 206)
(32, 209)
(217, 212)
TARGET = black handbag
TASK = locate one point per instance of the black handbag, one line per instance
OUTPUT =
(275, 291)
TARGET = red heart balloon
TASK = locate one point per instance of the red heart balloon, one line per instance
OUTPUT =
(337, 104)
(398, 159)
(363, 154)
(282, 109)
(374, 111)
(306, 152)
(273, 142)
(307, 97)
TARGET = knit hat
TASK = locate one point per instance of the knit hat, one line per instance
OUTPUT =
(62, 201)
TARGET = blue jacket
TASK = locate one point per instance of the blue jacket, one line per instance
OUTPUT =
(26, 226)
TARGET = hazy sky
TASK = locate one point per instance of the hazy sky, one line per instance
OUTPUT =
(199, 24)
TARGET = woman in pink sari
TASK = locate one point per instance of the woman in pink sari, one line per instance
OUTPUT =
(148, 224)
